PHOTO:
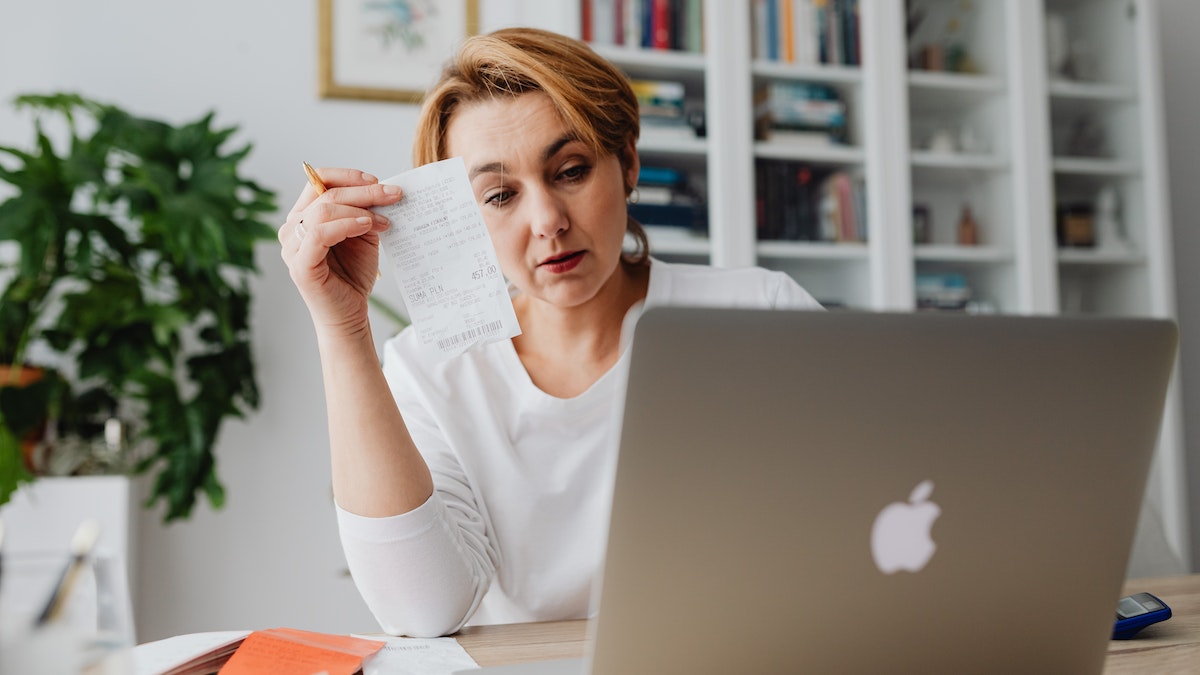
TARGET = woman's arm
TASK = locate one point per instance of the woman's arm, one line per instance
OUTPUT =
(419, 573)
(376, 469)
(422, 568)
(425, 572)
(330, 243)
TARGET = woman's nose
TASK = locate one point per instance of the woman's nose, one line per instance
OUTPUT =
(548, 216)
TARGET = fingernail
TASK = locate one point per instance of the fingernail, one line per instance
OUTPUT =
(391, 189)
(369, 178)
(382, 220)
(363, 220)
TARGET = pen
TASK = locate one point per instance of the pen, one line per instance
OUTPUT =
(314, 179)
(81, 547)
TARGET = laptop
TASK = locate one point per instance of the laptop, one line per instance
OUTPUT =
(868, 492)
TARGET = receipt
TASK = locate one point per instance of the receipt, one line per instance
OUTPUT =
(444, 262)
(417, 656)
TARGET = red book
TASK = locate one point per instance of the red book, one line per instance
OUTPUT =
(585, 19)
(660, 18)
(619, 22)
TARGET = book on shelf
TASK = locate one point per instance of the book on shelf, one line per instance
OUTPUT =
(649, 24)
(659, 98)
(806, 112)
(799, 202)
(786, 106)
(943, 292)
(664, 198)
(690, 218)
(655, 194)
(783, 201)
(806, 32)
(655, 130)
(661, 107)
(841, 213)
(799, 137)
(661, 175)
(661, 24)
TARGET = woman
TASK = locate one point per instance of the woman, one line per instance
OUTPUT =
(477, 489)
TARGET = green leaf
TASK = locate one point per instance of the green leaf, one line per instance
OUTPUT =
(12, 464)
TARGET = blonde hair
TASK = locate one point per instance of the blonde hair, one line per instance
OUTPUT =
(591, 95)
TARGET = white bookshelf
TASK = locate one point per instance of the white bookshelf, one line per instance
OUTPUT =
(1020, 112)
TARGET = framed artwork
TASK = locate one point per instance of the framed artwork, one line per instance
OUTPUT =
(389, 50)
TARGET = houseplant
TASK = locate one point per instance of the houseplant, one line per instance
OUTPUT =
(128, 287)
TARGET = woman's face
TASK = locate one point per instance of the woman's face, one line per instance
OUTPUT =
(554, 209)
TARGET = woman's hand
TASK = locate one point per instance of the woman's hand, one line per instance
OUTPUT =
(330, 244)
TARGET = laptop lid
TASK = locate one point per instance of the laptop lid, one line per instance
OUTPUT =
(853, 492)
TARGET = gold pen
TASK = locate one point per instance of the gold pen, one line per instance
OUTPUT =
(314, 179)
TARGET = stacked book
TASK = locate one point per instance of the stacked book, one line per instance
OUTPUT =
(943, 292)
(664, 199)
(799, 112)
(661, 108)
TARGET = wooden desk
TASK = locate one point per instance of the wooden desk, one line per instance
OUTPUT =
(522, 642)
(1169, 647)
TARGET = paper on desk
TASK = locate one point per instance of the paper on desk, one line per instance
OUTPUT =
(444, 262)
(417, 656)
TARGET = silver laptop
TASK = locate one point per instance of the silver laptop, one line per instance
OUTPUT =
(853, 492)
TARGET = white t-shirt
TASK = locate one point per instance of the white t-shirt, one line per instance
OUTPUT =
(515, 528)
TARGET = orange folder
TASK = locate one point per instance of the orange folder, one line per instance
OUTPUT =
(288, 651)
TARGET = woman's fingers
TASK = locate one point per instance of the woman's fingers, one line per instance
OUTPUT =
(337, 177)
(349, 186)
(364, 196)
(330, 225)
(333, 177)
(332, 204)
(326, 234)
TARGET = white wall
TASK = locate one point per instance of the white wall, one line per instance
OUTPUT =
(1181, 86)
(271, 557)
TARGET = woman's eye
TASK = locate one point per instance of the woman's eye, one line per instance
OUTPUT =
(498, 198)
(575, 173)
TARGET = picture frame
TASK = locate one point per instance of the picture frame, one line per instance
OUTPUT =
(388, 50)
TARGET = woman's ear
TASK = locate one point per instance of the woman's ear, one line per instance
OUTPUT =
(631, 165)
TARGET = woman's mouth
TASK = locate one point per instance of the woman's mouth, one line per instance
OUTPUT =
(562, 263)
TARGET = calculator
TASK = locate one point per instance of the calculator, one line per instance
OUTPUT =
(1135, 612)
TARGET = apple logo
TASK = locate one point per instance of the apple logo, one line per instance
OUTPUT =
(900, 536)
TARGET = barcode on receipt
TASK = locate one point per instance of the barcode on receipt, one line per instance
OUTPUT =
(485, 329)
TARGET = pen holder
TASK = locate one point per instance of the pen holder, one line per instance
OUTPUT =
(95, 621)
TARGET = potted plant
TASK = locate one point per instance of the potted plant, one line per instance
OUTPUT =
(128, 289)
